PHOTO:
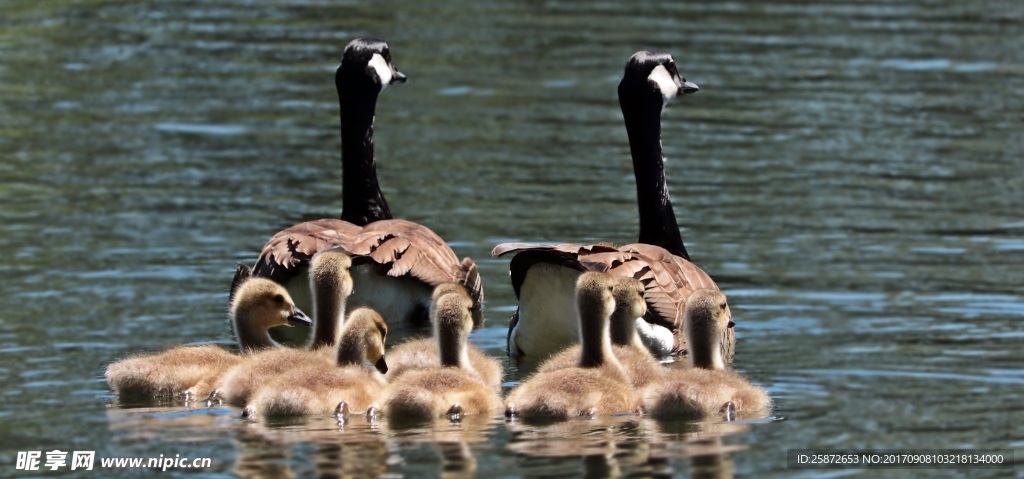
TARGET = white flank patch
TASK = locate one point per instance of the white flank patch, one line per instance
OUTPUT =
(393, 298)
(658, 339)
(547, 311)
(661, 77)
(383, 70)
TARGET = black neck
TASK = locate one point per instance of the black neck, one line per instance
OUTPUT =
(642, 114)
(362, 200)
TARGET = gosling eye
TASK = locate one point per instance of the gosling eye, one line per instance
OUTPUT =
(278, 299)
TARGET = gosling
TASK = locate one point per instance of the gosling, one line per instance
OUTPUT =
(331, 285)
(258, 305)
(423, 353)
(451, 389)
(320, 389)
(707, 389)
(598, 384)
(640, 366)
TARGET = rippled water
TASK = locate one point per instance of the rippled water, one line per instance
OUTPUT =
(851, 174)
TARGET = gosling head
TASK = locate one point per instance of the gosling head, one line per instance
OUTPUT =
(451, 314)
(706, 320)
(372, 331)
(367, 62)
(258, 304)
(653, 75)
(331, 268)
(448, 302)
(265, 304)
(595, 290)
(629, 306)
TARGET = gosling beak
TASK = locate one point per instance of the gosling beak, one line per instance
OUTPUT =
(298, 318)
(731, 324)
(688, 87)
(381, 365)
(397, 77)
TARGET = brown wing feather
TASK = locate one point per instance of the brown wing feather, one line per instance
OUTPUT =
(687, 278)
(294, 246)
(402, 247)
(668, 279)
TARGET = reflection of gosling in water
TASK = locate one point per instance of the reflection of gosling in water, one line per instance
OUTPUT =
(258, 305)
(598, 384)
(640, 366)
(330, 284)
(424, 353)
(321, 389)
(451, 389)
(708, 388)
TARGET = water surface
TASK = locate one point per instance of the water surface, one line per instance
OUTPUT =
(850, 174)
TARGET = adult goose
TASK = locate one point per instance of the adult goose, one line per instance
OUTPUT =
(395, 263)
(543, 275)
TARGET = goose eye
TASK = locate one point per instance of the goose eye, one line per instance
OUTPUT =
(278, 299)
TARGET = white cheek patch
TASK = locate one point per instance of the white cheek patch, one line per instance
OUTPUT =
(382, 68)
(661, 77)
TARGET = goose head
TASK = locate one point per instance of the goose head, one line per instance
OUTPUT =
(706, 320)
(367, 63)
(653, 76)
(367, 327)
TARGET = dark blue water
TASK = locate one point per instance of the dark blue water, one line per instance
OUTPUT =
(850, 173)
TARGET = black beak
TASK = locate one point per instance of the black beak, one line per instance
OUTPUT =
(398, 77)
(688, 87)
(298, 318)
(731, 324)
(381, 365)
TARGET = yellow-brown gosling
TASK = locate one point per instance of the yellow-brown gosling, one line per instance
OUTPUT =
(598, 384)
(331, 284)
(315, 389)
(259, 304)
(640, 365)
(451, 389)
(707, 389)
(423, 353)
